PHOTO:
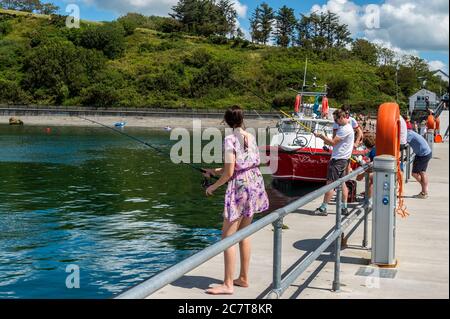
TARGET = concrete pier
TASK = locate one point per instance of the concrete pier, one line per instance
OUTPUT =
(422, 251)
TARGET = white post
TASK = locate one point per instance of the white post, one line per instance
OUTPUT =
(383, 229)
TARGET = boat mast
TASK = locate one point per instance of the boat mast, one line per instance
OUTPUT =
(304, 83)
(304, 76)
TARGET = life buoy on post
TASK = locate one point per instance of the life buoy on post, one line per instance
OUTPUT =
(298, 101)
(388, 130)
(388, 143)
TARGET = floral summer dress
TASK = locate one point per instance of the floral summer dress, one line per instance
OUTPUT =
(246, 194)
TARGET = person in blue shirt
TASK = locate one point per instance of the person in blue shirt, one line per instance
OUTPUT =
(423, 155)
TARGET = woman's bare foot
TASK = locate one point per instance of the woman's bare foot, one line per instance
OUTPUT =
(220, 290)
(240, 283)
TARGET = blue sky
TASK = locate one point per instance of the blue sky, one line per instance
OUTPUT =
(417, 27)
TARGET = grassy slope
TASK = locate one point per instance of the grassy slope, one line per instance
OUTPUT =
(252, 67)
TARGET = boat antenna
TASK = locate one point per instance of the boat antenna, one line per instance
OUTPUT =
(304, 75)
(134, 138)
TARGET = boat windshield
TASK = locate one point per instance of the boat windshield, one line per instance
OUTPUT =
(289, 126)
(295, 127)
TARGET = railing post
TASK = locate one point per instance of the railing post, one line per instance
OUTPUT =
(408, 164)
(366, 208)
(337, 263)
(277, 244)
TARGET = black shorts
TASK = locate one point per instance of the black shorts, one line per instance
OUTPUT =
(420, 163)
(336, 169)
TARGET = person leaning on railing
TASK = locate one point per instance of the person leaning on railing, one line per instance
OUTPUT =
(342, 144)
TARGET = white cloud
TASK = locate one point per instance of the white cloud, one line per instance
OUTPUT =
(241, 9)
(150, 7)
(437, 65)
(406, 24)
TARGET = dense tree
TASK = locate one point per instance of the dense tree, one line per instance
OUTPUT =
(108, 38)
(60, 69)
(285, 26)
(255, 25)
(366, 51)
(261, 23)
(387, 75)
(407, 80)
(267, 20)
(226, 16)
(322, 31)
(206, 17)
(386, 56)
(339, 88)
(29, 6)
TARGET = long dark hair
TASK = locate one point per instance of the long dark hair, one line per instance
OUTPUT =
(234, 117)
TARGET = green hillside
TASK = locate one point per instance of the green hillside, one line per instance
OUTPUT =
(140, 62)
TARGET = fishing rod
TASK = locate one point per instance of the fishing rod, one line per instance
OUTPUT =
(255, 94)
(271, 105)
(159, 151)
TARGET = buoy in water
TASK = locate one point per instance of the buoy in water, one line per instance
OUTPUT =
(15, 121)
(120, 124)
(48, 130)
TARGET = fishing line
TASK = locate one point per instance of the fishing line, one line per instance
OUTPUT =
(158, 150)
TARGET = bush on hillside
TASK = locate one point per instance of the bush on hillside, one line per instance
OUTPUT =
(199, 58)
(131, 21)
(100, 95)
(12, 93)
(5, 27)
(108, 38)
(214, 74)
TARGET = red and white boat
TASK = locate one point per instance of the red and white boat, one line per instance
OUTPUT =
(300, 155)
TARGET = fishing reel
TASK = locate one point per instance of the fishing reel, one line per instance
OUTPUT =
(206, 182)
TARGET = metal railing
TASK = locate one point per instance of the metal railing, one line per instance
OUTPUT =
(279, 285)
(409, 161)
(33, 110)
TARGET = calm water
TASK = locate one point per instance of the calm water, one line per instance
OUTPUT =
(91, 198)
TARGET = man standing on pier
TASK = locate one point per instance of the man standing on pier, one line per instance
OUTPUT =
(423, 155)
(342, 151)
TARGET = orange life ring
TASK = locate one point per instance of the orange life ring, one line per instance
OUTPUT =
(388, 130)
(388, 143)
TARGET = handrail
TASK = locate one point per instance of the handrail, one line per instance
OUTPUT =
(173, 273)
(409, 160)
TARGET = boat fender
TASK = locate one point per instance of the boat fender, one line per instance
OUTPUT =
(298, 101)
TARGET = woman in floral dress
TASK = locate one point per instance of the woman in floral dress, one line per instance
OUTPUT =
(245, 195)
